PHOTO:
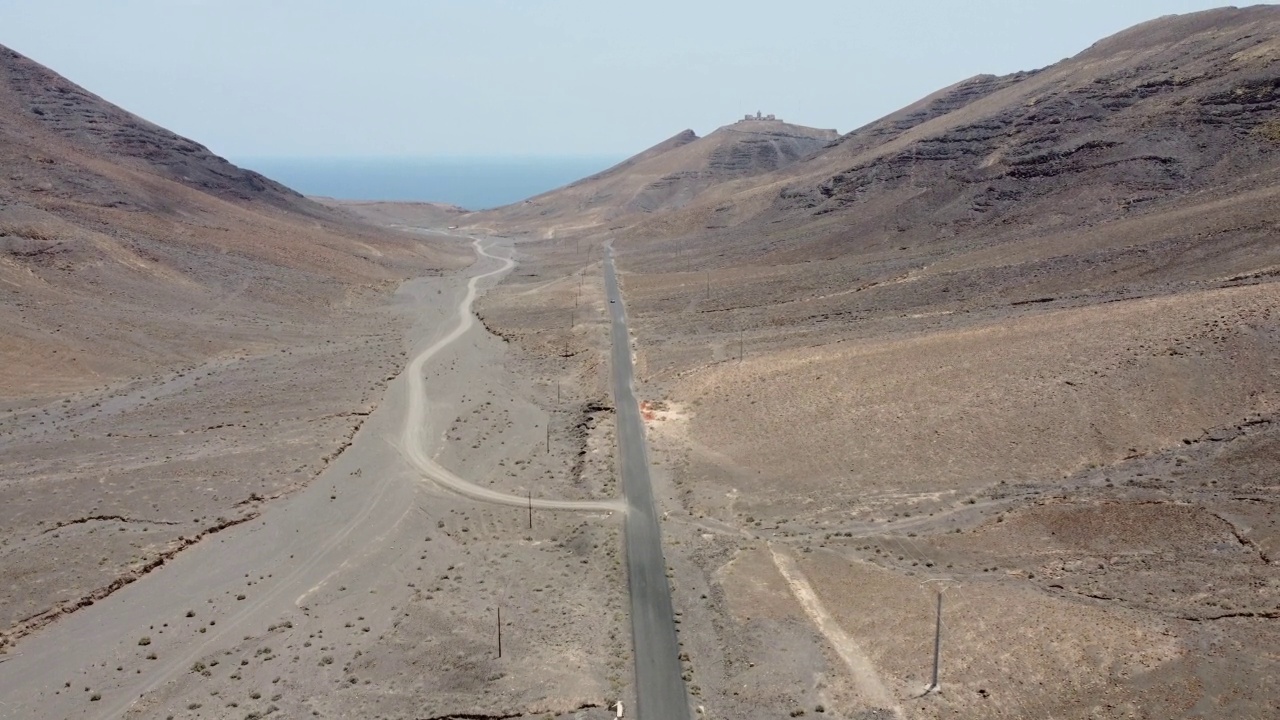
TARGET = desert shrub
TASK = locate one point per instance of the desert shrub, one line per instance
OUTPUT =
(1269, 130)
(29, 231)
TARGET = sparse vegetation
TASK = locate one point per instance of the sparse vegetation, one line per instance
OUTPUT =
(1269, 130)
(976, 288)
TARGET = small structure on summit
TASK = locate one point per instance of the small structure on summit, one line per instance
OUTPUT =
(757, 116)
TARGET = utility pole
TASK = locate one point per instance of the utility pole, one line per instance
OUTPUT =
(530, 509)
(557, 392)
(937, 636)
(937, 644)
(499, 631)
(548, 436)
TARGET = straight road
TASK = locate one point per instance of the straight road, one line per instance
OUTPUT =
(660, 690)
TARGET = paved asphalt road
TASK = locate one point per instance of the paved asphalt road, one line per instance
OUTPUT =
(660, 691)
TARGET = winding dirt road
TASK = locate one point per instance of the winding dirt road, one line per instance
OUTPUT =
(413, 445)
(296, 549)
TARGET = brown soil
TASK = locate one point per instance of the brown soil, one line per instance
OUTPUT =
(1017, 341)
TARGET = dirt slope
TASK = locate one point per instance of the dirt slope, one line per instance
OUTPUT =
(183, 340)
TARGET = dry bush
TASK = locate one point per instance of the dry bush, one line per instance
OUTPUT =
(1269, 130)
(28, 231)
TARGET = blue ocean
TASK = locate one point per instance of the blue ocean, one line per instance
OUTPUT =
(473, 183)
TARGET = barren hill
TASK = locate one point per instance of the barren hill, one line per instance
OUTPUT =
(179, 335)
(1176, 111)
(106, 213)
(667, 176)
(1018, 340)
(93, 125)
(399, 214)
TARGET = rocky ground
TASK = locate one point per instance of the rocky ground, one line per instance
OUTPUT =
(1091, 486)
(1014, 346)
(335, 586)
(1015, 343)
(108, 482)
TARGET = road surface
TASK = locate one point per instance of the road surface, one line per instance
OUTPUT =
(660, 690)
(413, 443)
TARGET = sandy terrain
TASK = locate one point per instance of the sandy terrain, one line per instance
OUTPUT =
(371, 591)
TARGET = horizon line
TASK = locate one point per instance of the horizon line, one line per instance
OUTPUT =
(383, 157)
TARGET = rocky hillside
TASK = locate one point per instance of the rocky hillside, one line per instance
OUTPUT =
(1177, 111)
(182, 341)
(126, 247)
(94, 125)
(665, 177)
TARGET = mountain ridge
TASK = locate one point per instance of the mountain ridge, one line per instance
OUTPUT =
(665, 176)
(94, 124)
(1144, 85)
(104, 210)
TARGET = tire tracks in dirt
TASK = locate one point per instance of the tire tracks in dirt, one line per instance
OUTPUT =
(413, 443)
(863, 672)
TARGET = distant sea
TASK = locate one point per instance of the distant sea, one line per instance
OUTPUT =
(473, 183)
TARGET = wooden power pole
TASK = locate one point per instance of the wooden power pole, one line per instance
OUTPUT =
(937, 643)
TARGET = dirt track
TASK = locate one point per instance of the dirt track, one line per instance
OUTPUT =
(412, 440)
(327, 599)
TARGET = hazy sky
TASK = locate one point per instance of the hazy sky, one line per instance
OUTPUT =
(299, 78)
